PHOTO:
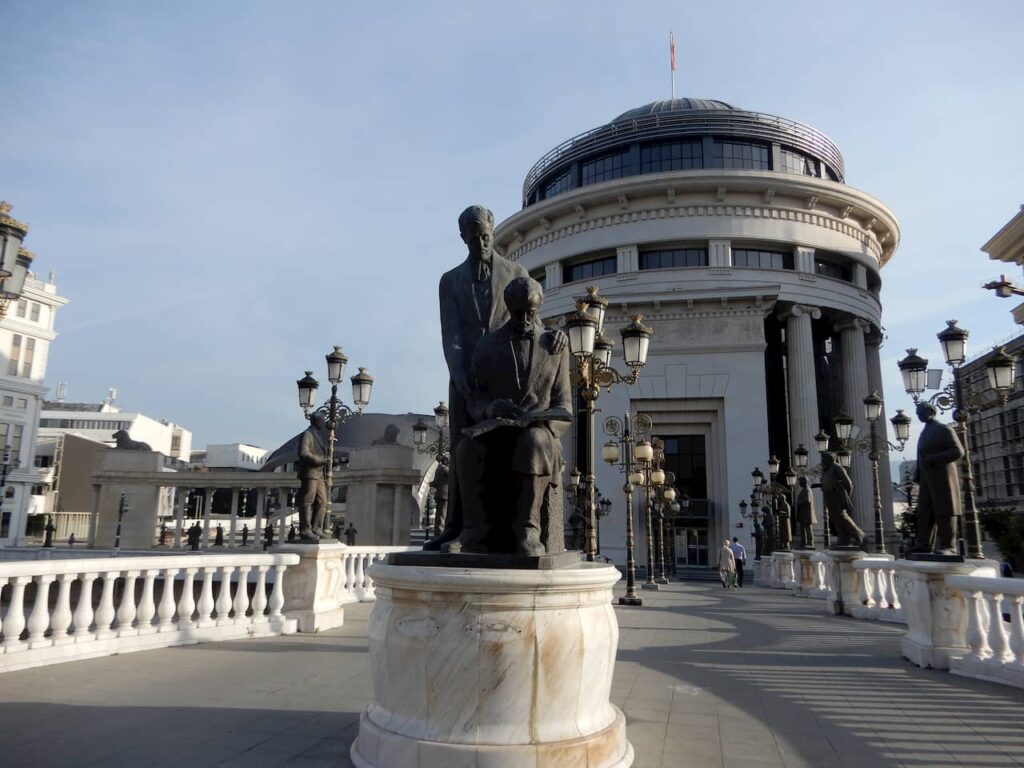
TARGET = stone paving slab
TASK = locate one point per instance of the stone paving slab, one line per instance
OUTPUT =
(706, 677)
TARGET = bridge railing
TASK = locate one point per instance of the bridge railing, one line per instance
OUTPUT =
(358, 586)
(995, 629)
(59, 610)
(877, 591)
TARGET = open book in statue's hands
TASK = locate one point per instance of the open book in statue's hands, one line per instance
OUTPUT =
(522, 421)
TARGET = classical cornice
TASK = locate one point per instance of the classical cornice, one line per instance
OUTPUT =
(1008, 243)
(811, 201)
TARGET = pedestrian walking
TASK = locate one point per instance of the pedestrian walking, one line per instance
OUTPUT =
(740, 555)
(726, 564)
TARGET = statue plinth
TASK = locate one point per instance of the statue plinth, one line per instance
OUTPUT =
(842, 579)
(564, 559)
(508, 668)
(313, 587)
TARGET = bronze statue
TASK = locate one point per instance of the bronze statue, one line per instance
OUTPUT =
(440, 485)
(472, 304)
(312, 501)
(805, 517)
(785, 531)
(520, 404)
(938, 503)
(835, 487)
(124, 442)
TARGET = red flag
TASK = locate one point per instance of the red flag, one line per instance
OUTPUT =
(672, 49)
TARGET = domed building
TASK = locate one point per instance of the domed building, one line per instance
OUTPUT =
(736, 237)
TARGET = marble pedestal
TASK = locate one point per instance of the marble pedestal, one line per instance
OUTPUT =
(495, 667)
(805, 572)
(759, 573)
(936, 614)
(312, 591)
(842, 579)
(782, 570)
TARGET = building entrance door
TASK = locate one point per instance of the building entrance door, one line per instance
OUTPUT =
(692, 547)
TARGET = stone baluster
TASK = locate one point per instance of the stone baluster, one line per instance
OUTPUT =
(976, 635)
(187, 601)
(147, 607)
(259, 597)
(105, 611)
(277, 596)
(998, 640)
(205, 606)
(165, 611)
(241, 604)
(360, 572)
(82, 618)
(14, 621)
(891, 593)
(126, 611)
(61, 618)
(350, 571)
(1017, 630)
(868, 587)
(224, 596)
(39, 618)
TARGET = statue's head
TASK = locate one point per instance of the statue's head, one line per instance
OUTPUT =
(476, 228)
(523, 297)
(391, 433)
(827, 460)
(926, 411)
(802, 481)
(316, 420)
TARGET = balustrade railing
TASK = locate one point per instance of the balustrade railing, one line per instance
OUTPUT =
(356, 561)
(59, 610)
(877, 591)
(995, 629)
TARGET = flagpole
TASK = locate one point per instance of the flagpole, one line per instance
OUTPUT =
(672, 61)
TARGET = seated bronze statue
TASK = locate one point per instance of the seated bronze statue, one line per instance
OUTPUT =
(509, 463)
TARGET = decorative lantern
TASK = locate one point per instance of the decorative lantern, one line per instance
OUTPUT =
(419, 432)
(582, 332)
(636, 338)
(821, 441)
(441, 416)
(336, 366)
(843, 426)
(644, 451)
(901, 426)
(800, 456)
(307, 391)
(914, 370)
(610, 452)
(362, 383)
(872, 407)
(1000, 368)
(954, 343)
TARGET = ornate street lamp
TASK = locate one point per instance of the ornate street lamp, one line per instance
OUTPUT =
(421, 431)
(593, 373)
(1000, 370)
(624, 432)
(15, 260)
(334, 411)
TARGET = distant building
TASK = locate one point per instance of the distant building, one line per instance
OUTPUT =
(1008, 245)
(997, 434)
(229, 456)
(25, 335)
(99, 421)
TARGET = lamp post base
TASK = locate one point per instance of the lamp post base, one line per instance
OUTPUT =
(631, 601)
(661, 580)
(650, 585)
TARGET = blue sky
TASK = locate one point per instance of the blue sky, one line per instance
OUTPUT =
(225, 190)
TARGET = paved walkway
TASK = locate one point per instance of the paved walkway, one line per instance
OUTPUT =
(707, 678)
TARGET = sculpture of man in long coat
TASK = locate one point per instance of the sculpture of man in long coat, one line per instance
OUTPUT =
(472, 304)
(938, 502)
(835, 487)
(312, 501)
(805, 517)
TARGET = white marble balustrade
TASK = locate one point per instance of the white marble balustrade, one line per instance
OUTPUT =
(358, 586)
(877, 590)
(995, 629)
(60, 610)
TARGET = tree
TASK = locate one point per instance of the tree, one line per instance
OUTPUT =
(1006, 529)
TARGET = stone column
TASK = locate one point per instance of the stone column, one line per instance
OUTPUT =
(180, 497)
(873, 345)
(803, 390)
(233, 525)
(282, 528)
(854, 370)
(261, 503)
(207, 508)
(94, 518)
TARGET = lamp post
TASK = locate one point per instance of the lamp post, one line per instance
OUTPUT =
(334, 411)
(420, 432)
(644, 454)
(660, 496)
(14, 259)
(1000, 372)
(619, 450)
(594, 372)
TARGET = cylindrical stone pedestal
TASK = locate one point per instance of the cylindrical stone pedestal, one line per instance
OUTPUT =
(504, 668)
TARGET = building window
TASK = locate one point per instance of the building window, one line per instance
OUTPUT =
(15, 356)
(542, 278)
(797, 162)
(38, 490)
(589, 269)
(604, 168)
(563, 182)
(831, 269)
(755, 259)
(21, 307)
(686, 458)
(8, 401)
(674, 257)
(30, 353)
(741, 155)
(43, 461)
(21, 403)
(671, 156)
(10, 434)
(34, 316)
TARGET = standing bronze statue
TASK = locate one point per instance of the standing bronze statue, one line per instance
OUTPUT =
(472, 304)
(782, 524)
(835, 487)
(440, 484)
(510, 463)
(312, 501)
(938, 503)
(768, 521)
(805, 517)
